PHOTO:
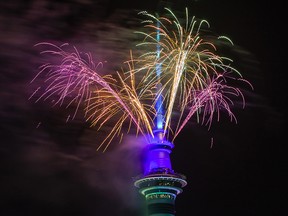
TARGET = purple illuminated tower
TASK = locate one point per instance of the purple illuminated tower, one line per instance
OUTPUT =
(159, 184)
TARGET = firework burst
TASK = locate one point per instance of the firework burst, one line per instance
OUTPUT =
(193, 76)
(178, 71)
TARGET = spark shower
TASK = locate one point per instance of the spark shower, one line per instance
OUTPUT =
(176, 76)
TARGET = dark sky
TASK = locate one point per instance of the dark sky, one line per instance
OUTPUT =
(50, 167)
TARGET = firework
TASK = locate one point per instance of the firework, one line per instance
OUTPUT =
(193, 76)
(76, 80)
(179, 71)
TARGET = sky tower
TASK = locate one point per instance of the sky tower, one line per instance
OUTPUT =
(159, 183)
(180, 72)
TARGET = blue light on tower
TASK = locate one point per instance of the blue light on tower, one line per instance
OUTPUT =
(159, 183)
(159, 101)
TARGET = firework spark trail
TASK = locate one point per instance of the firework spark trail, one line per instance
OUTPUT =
(128, 95)
(213, 99)
(78, 81)
(192, 80)
(188, 63)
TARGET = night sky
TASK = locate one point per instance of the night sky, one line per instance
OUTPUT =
(50, 167)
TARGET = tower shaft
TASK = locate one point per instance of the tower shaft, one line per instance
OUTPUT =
(159, 184)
